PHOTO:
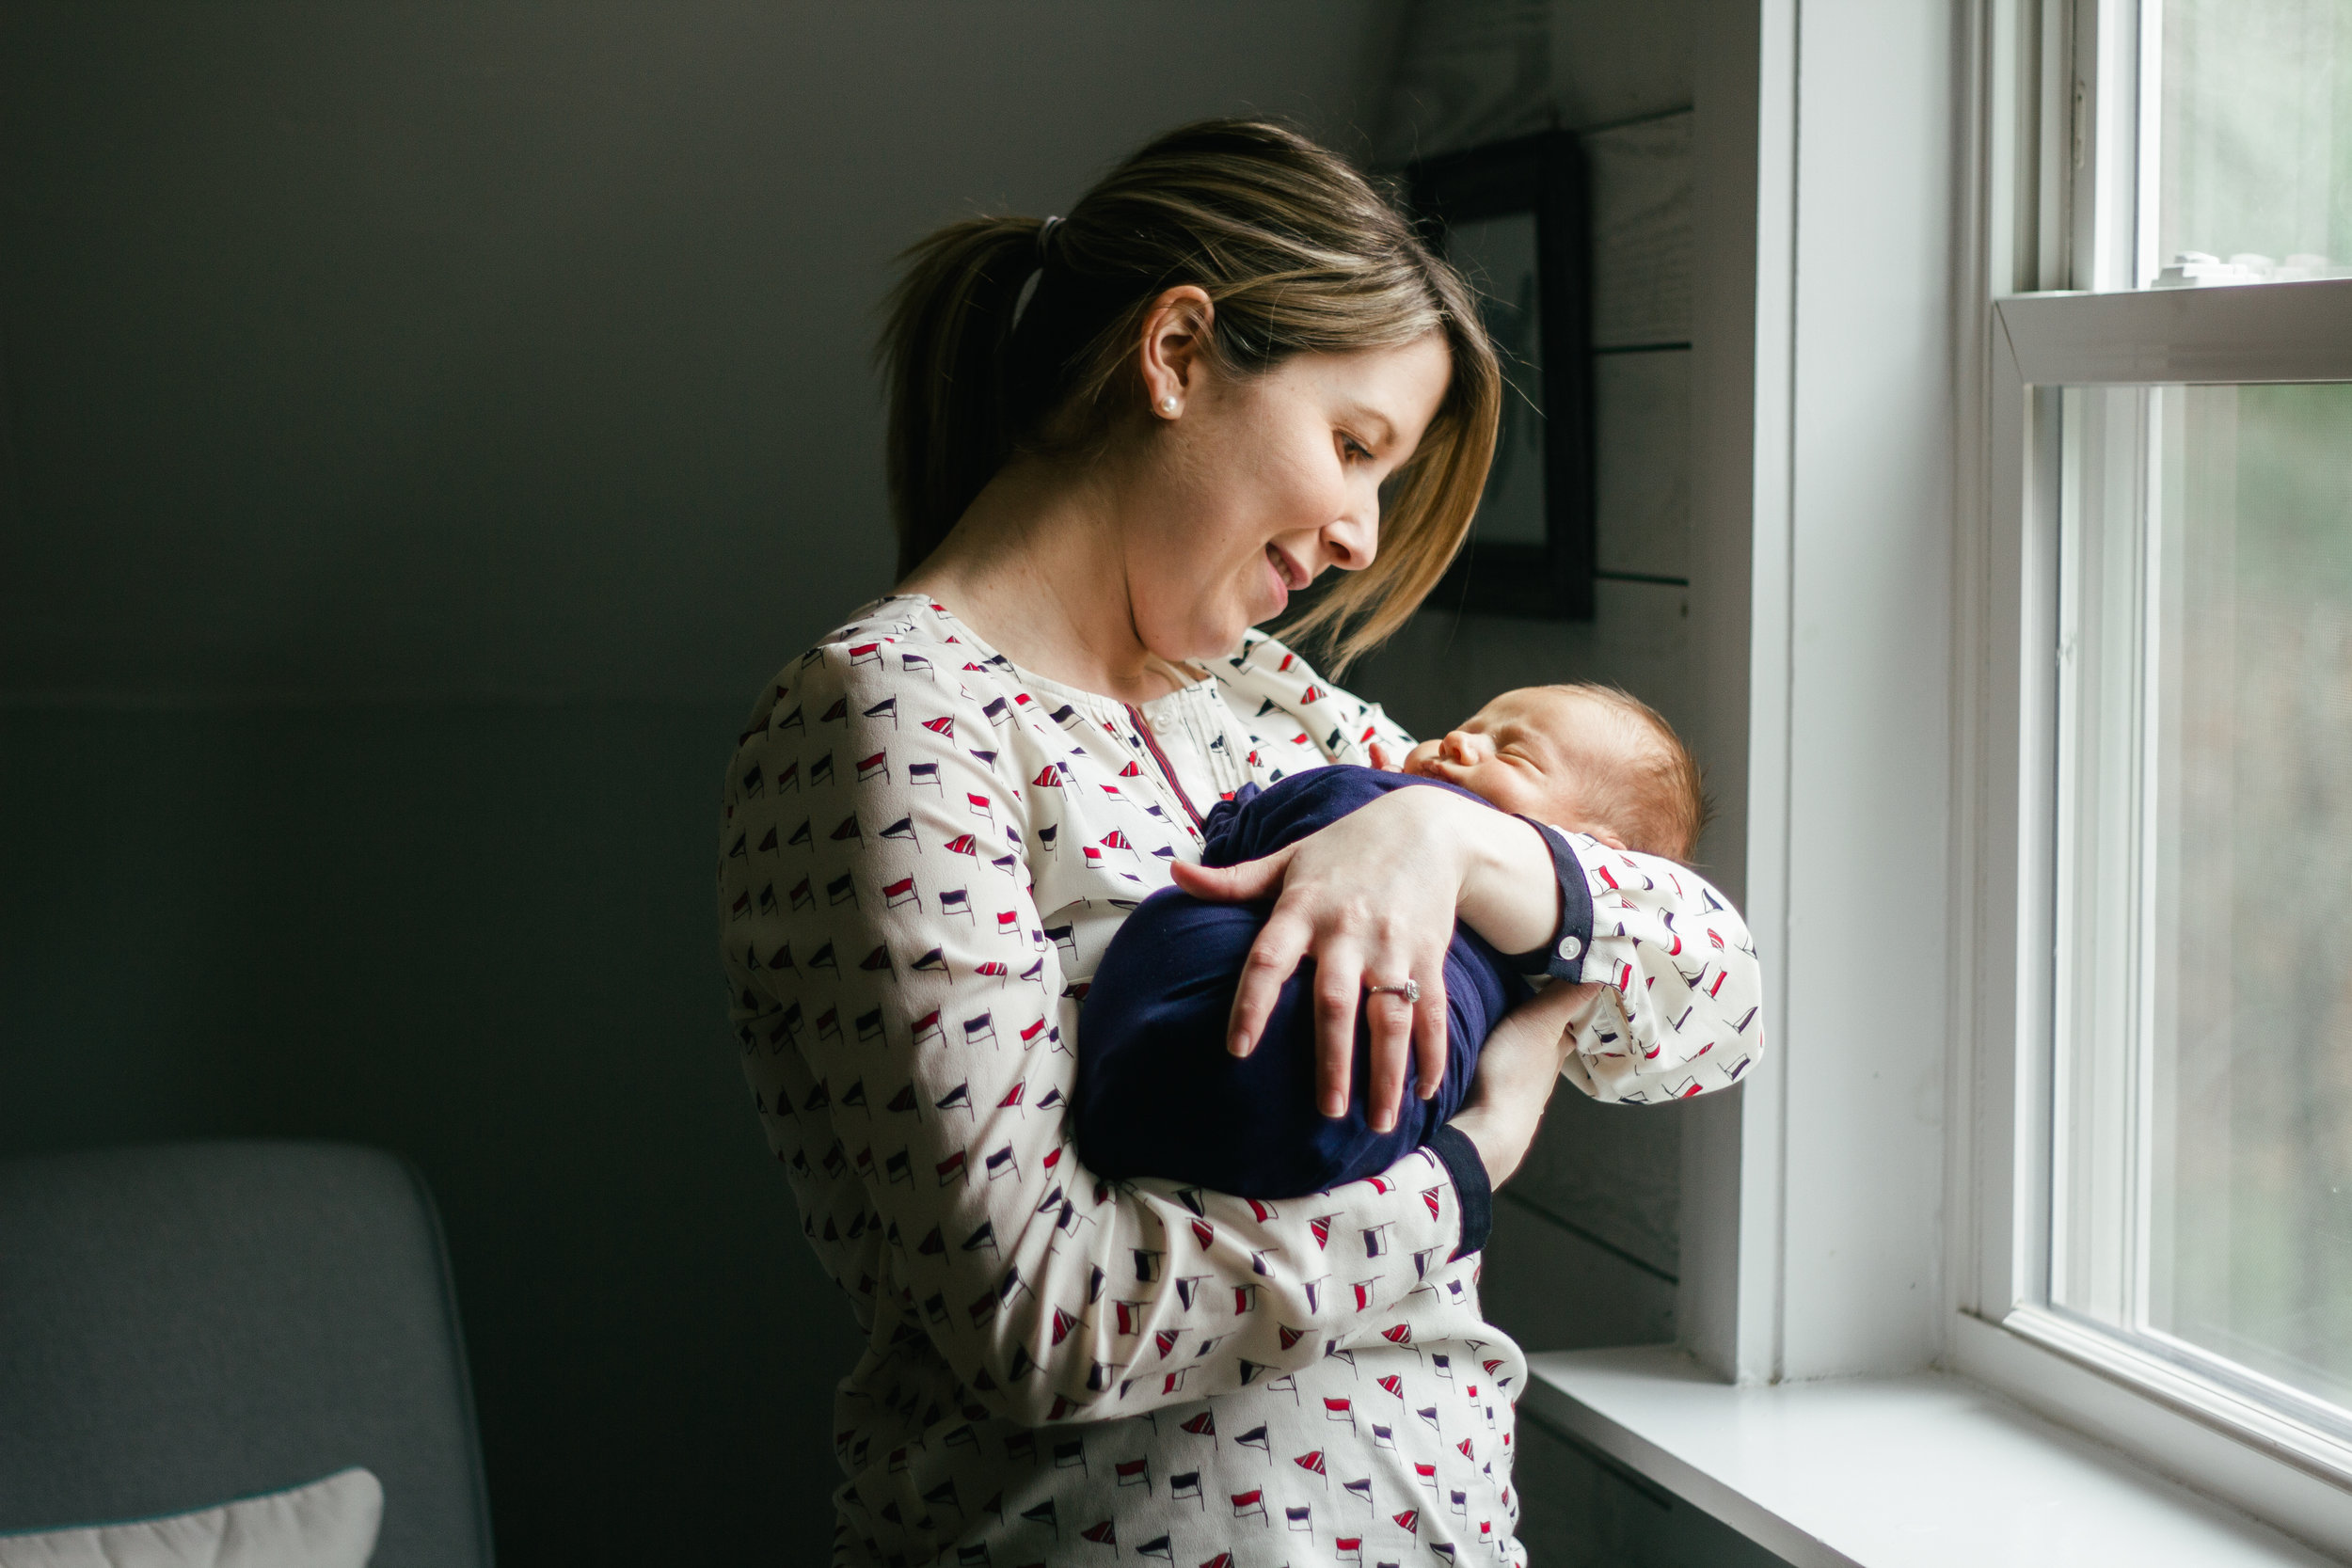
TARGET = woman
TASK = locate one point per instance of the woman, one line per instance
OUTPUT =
(1118, 442)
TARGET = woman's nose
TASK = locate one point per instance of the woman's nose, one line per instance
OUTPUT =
(1350, 542)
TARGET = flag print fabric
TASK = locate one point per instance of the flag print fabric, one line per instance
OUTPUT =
(924, 851)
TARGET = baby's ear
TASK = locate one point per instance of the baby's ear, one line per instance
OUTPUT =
(1614, 842)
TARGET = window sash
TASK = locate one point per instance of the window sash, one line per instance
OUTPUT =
(2284, 332)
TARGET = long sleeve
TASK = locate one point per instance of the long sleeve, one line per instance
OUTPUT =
(905, 1012)
(1680, 1012)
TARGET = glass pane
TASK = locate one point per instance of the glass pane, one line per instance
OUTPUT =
(2204, 1086)
(2255, 171)
(1498, 257)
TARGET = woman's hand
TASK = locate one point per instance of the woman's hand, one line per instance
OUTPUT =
(1372, 899)
(1517, 1072)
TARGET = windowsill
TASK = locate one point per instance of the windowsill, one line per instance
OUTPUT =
(1919, 1471)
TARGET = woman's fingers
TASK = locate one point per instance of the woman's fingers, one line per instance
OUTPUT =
(1337, 988)
(1429, 1025)
(1390, 1025)
(1244, 883)
(1273, 959)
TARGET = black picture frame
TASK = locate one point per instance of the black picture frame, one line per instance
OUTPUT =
(1541, 176)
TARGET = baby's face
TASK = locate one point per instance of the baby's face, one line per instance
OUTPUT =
(1519, 752)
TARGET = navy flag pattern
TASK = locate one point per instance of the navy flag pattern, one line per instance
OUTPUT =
(923, 852)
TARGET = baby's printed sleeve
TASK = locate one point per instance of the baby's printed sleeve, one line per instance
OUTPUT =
(1681, 1012)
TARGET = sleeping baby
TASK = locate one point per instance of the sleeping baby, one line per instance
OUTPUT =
(1616, 795)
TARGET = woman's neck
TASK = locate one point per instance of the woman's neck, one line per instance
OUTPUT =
(1036, 566)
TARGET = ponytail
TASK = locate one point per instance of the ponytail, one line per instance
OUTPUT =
(944, 355)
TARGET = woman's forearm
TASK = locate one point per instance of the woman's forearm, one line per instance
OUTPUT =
(1510, 894)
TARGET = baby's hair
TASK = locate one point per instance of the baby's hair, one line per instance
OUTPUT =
(1658, 804)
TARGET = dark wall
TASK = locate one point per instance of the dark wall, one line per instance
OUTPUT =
(425, 427)
(516, 348)
(476, 937)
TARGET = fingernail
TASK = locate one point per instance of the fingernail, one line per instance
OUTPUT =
(1332, 1106)
(1385, 1124)
(1238, 1045)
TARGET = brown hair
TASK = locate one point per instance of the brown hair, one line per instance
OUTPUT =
(1655, 799)
(1297, 252)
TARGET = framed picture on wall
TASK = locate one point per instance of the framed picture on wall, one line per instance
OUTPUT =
(1511, 217)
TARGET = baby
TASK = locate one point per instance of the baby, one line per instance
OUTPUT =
(1157, 1094)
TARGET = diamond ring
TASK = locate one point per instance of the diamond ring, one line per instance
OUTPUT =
(1410, 990)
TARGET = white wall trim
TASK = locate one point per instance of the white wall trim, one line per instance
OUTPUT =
(1743, 156)
(1811, 1240)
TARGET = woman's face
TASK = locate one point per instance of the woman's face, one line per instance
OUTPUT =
(1255, 486)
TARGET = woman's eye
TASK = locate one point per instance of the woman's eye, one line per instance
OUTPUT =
(1351, 447)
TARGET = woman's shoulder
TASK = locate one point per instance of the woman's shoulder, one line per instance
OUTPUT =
(1266, 680)
(897, 636)
(901, 633)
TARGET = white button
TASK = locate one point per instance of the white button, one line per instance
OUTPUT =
(1571, 949)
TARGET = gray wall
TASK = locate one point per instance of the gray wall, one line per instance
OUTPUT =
(425, 426)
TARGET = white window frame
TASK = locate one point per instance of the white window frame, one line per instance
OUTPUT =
(2063, 200)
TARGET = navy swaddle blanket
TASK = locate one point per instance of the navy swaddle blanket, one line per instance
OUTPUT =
(1157, 1093)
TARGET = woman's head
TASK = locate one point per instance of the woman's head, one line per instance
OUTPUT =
(1318, 356)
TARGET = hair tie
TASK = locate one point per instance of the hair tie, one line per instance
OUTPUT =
(1044, 232)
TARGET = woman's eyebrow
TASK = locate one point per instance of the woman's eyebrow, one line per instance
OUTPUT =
(1363, 414)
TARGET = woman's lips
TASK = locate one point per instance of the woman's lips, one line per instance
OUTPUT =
(1280, 567)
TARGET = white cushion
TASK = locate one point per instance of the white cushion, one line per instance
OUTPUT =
(327, 1524)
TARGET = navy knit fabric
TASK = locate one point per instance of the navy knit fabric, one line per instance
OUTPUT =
(1157, 1093)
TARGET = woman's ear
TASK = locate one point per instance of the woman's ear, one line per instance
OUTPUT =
(1175, 342)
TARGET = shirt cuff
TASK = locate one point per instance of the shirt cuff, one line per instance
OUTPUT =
(1562, 958)
(1471, 1189)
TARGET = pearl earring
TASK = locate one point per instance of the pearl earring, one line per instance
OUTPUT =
(1168, 404)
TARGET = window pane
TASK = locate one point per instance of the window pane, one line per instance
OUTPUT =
(2204, 1089)
(2254, 173)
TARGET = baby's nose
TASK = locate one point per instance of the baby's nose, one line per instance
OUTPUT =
(1461, 746)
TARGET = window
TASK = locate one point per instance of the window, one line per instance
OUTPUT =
(2163, 1176)
(2201, 1101)
(2209, 141)
(2247, 152)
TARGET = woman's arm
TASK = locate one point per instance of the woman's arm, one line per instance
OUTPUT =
(935, 1111)
(1679, 1011)
(1372, 899)
(1518, 1069)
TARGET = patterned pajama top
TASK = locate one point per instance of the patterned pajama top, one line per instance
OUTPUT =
(925, 850)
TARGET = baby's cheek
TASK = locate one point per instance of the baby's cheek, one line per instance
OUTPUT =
(1514, 793)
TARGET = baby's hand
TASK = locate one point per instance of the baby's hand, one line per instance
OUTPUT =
(1382, 758)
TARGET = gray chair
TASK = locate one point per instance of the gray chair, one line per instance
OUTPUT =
(183, 1324)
